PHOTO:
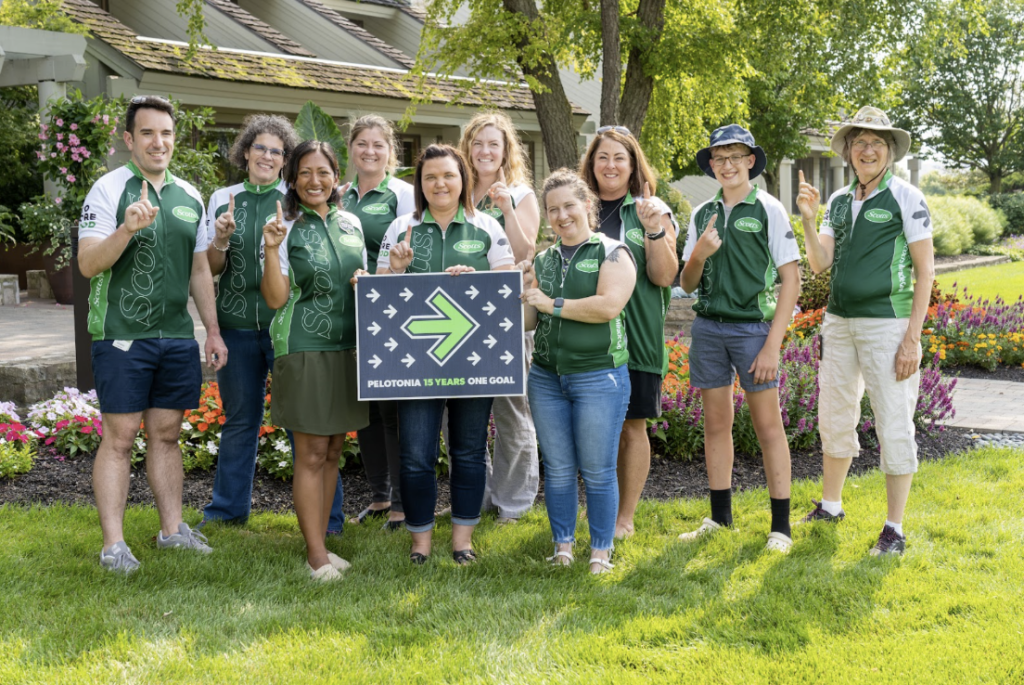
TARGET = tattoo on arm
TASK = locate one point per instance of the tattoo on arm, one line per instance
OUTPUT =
(614, 256)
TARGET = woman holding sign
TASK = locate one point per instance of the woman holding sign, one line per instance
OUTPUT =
(378, 198)
(444, 234)
(319, 252)
(575, 293)
(502, 188)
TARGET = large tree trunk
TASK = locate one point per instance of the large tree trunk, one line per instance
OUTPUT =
(611, 62)
(636, 93)
(553, 109)
(995, 181)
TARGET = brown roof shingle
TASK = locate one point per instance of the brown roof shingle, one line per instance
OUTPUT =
(264, 31)
(362, 34)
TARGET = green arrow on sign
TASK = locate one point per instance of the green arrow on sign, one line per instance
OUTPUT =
(452, 326)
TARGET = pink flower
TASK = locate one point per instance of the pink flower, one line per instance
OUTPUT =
(42, 136)
(86, 153)
(73, 139)
(76, 158)
(86, 429)
(63, 170)
(60, 136)
(74, 127)
(62, 424)
(52, 155)
(57, 200)
(111, 151)
(50, 441)
(106, 119)
(44, 127)
(96, 118)
(40, 155)
(71, 178)
(60, 122)
(115, 120)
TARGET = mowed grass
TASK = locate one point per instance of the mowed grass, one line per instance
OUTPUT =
(716, 611)
(1005, 280)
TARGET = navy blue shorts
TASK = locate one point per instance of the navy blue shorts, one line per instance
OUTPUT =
(717, 349)
(644, 395)
(158, 373)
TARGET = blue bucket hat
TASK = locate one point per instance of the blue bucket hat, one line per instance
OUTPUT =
(727, 135)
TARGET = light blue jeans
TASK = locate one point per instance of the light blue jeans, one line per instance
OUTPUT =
(579, 417)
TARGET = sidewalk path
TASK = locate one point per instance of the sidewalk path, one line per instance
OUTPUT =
(988, 405)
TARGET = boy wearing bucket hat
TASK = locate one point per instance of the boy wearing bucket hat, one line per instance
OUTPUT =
(876, 232)
(737, 243)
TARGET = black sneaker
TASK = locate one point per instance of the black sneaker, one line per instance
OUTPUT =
(889, 542)
(819, 514)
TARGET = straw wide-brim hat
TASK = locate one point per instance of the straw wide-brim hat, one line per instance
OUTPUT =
(873, 119)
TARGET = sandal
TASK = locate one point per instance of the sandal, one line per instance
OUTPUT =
(463, 557)
(554, 559)
(418, 559)
(392, 526)
(369, 513)
(605, 565)
(779, 542)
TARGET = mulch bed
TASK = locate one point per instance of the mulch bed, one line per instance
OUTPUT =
(70, 481)
(1001, 373)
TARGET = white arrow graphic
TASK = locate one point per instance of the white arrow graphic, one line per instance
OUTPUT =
(475, 358)
(391, 344)
(373, 295)
(506, 324)
(489, 308)
(490, 341)
(408, 360)
(405, 294)
(507, 357)
(391, 311)
(505, 291)
(374, 328)
(375, 361)
(472, 292)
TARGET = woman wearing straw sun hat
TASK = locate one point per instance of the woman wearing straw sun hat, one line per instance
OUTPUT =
(875, 233)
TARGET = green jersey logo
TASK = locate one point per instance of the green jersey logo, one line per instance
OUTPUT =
(379, 208)
(878, 216)
(493, 211)
(587, 266)
(635, 235)
(185, 213)
(351, 241)
(270, 217)
(749, 225)
(469, 246)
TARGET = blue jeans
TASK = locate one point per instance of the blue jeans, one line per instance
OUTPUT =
(419, 434)
(243, 387)
(579, 417)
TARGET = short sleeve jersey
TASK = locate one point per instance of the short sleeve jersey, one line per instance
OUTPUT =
(474, 240)
(377, 208)
(319, 257)
(871, 266)
(240, 305)
(518, 192)
(564, 346)
(738, 281)
(145, 293)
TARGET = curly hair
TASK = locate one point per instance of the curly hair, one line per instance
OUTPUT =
(291, 174)
(513, 155)
(642, 171)
(252, 127)
(437, 151)
(368, 121)
(563, 178)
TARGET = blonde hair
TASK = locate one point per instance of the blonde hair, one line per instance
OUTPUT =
(513, 155)
(368, 121)
(563, 178)
(642, 171)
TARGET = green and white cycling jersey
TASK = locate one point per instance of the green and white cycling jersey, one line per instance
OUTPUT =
(145, 293)
(871, 266)
(319, 259)
(564, 346)
(518, 192)
(474, 240)
(377, 208)
(738, 281)
(240, 305)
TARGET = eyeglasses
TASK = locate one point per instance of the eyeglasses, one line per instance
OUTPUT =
(735, 160)
(876, 145)
(263, 149)
(618, 129)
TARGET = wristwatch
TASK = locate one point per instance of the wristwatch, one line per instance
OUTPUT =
(655, 236)
(559, 303)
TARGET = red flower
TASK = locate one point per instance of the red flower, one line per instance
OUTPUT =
(86, 429)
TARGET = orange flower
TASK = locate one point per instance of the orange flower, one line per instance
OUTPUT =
(192, 418)
(203, 427)
(221, 420)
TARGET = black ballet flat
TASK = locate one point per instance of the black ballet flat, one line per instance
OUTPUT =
(393, 526)
(418, 559)
(463, 557)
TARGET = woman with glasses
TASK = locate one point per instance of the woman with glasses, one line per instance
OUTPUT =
(501, 188)
(574, 294)
(875, 236)
(314, 254)
(616, 169)
(377, 198)
(444, 235)
(234, 223)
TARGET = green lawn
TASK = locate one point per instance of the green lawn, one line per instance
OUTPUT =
(1006, 280)
(717, 611)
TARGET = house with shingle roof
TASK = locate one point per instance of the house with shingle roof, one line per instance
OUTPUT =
(351, 58)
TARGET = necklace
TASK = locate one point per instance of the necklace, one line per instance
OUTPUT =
(864, 186)
(613, 212)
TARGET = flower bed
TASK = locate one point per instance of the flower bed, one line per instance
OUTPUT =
(17, 443)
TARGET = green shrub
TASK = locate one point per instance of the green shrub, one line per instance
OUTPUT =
(1012, 206)
(16, 457)
(951, 232)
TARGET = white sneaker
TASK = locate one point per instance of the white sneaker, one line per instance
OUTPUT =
(779, 542)
(706, 528)
(119, 558)
(337, 562)
(325, 574)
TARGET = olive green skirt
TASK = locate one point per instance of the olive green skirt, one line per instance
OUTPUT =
(315, 393)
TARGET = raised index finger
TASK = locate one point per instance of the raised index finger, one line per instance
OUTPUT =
(501, 174)
(231, 205)
(711, 222)
(647, 191)
(801, 174)
(144, 197)
(408, 234)
(280, 213)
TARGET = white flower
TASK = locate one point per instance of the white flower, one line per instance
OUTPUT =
(263, 441)
(281, 446)
(211, 447)
(50, 416)
(282, 464)
(185, 425)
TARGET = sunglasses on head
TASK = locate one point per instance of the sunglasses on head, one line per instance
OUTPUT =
(618, 129)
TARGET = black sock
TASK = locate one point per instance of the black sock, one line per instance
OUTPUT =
(721, 506)
(780, 516)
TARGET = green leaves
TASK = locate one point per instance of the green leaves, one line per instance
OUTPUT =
(315, 124)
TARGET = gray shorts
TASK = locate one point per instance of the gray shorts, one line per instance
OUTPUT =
(718, 349)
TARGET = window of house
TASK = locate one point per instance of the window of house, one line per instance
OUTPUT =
(410, 150)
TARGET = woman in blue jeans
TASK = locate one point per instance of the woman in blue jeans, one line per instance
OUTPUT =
(434, 239)
(578, 387)
(234, 224)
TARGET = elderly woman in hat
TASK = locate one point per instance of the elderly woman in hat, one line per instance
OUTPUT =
(875, 235)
